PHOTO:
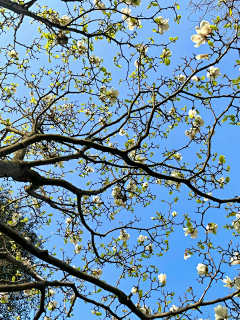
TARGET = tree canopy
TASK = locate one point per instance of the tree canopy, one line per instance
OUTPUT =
(118, 132)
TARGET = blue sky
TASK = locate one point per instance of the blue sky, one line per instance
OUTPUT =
(181, 274)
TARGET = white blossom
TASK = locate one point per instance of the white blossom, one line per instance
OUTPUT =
(78, 248)
(163, 25)
(145, 185)
(68, 220)
(221, 180)
(162, 277)
(202, 33)
(198, 121)
(81, 47)
(213, 73)
(52, 305)
(97, 272)
(192, 231)
(134, 290)
(89, 169)
(49, 98)
(141, 238)
(125, 11)
(132, 3)
(13, 54)
(149, 248)
(181, 77)
(210, 194)
(186, 255)
(132, 23)
(146, 310)
(236, 223)
(202, 269)
(123, 235)
(65, 20)
(100, 5)
(173, 308)
(27, 292)
(195, 78)
(158, 181)
(192, 113)
(211, 228)
(191, 133)
(228, 282)
(4, 297)
(95, 60)
(72, 298)
(221, 313)
(74, 241)
(122, 132)
(202, 56)
(235, 259)
(166, 53)
(174, 214)
(178, 156)
(172, 111)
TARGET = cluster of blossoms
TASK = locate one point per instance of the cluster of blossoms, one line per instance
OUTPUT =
(95, 60)
(162, 24)
(124, 236)
(211, 228)
(82, 49)
(162, 278)
(132, 22)
(119, 198)
(15, 219)
(202, 269)
(111, 95)
(190, 230)
(197, 123)
(97, 273)
(202, 33)
(144, 309)
(63, 21)
(74, 240)
(131, 187)
(236, 223)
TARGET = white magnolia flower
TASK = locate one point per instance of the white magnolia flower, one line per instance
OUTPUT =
(141, 238)
(236, 282)
(51, 293)
(72, 298)
(192, 231)
(158, 181)
(221, 313)
(162, 277)
(163, 25)
(186, 255)
(146, 310)
(221, 180)
(47, 318)
(74, 241)
(235, 259)
(96, 199)
(101, 121)
(95, 60)
(52, 305)
(166, 53)
(210, 194)
(211, 228)
(173, 308)
(140, 159)
(149, 248)
(89, 169)
(236, 223)
(134, 290)
(49, 98)
(16, 216)
(125, 11)
(65, 20)
(174, 214)
(192, 113)
(124, 235)
(78, 248)
(178, 156)
(112, 95)
(100, 5)
(68, 220)
(145, 185)
(122, 132)
(191, 133)
(13, 54)
(114, 248)
(181, 77)
(195, 78)
(202, 56)
(132, 23)
(213, 73)
(202, 33)
(198, 121)
(228, 282)
(133, 3)
(97, 272)
(81, 47)
(202, 269)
